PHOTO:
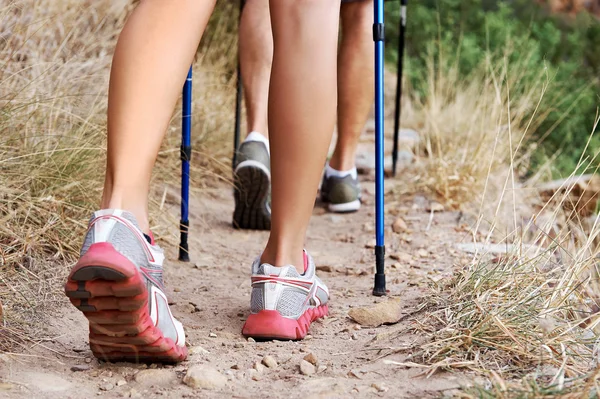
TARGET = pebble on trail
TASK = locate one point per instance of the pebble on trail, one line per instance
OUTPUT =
(387, 312)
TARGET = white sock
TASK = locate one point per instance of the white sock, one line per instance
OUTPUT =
(257, 136)
(330, 172)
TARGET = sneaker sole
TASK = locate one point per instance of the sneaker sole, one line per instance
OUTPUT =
(271, 325)
(112, 294)
(345, 207)
(252, 181)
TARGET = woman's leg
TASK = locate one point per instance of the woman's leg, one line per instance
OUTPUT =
(302, 108)
(154, 52)
(118, 281)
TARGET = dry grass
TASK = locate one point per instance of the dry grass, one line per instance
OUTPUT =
(526, 320)
(54, 65)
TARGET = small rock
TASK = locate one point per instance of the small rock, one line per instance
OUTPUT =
(155, 377)
(250, 339)
(212, 335)
(423, 253)
(195, 350)
(80, 367)
(133, 393)
(321, 368)
(371, 244)
(238, 345)
(269, 362)
(387, 312)
(379, 387)
(88, 360)
(235, 367)
(434, 207)
(355, 336)
(308, 337)
(106, 387)
(120, 383)
(5, 386)
(259, 367)
(201, 376)
(399, 226)
(311, 358)
(402, 257)
(306, 368)
(325, 268)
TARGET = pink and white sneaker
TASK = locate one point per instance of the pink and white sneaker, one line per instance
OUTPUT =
(284, 303)
(117, 284)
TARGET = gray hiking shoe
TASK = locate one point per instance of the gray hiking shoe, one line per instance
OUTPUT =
(117, 284)
(252, 191)
(342, 194)
(284, 303)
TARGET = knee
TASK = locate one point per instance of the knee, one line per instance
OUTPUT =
(357, 14)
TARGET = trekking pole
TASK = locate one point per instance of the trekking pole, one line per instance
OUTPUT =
(238, 102)
(186, 155)
(379, 39)
(403, 4)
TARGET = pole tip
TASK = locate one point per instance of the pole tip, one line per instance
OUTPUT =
(379, 289)
(184, 256)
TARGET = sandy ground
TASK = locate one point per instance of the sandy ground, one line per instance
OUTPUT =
(211, 297)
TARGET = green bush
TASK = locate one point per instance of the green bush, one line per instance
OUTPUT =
(467, 33)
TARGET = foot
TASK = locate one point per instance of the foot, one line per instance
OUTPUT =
(285, 303)
(252, 179)
(341, 193)
(118, 285)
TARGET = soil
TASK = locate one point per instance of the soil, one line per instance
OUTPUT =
(211, 296)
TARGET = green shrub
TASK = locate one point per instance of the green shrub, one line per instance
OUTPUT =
(461, 35)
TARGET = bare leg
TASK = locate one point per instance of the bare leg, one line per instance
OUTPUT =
(355, 80)
(149, 68)
(256, 56)
(302, 100)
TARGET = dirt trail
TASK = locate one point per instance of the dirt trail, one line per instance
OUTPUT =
(211, 297)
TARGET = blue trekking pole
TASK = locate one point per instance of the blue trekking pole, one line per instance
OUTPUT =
(186, 155)
(379, 39)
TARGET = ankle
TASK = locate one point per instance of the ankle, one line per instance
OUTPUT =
(342, 163)
(278, 257)
(138, 210)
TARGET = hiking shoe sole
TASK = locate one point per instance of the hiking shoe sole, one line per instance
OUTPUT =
(112, 294)
(252, 184)
(271, 325)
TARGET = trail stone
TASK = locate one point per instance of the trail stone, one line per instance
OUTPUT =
(80, 367)
(195, 350)
(379, 387)
(120, 383)
(399, 226)
(88, 360)
(250, 339)
(434, 207)
(325, 268)
(259, 367)
(238, 345)
(107, 386)
(321, 368)
(212, 335)
(269, 362)
(155, 377)
(202, 376)
(402, 257)
(311, 358)
(423, 253)
(306, 368)
(5, 386)
(371, 244)
(387, 312)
